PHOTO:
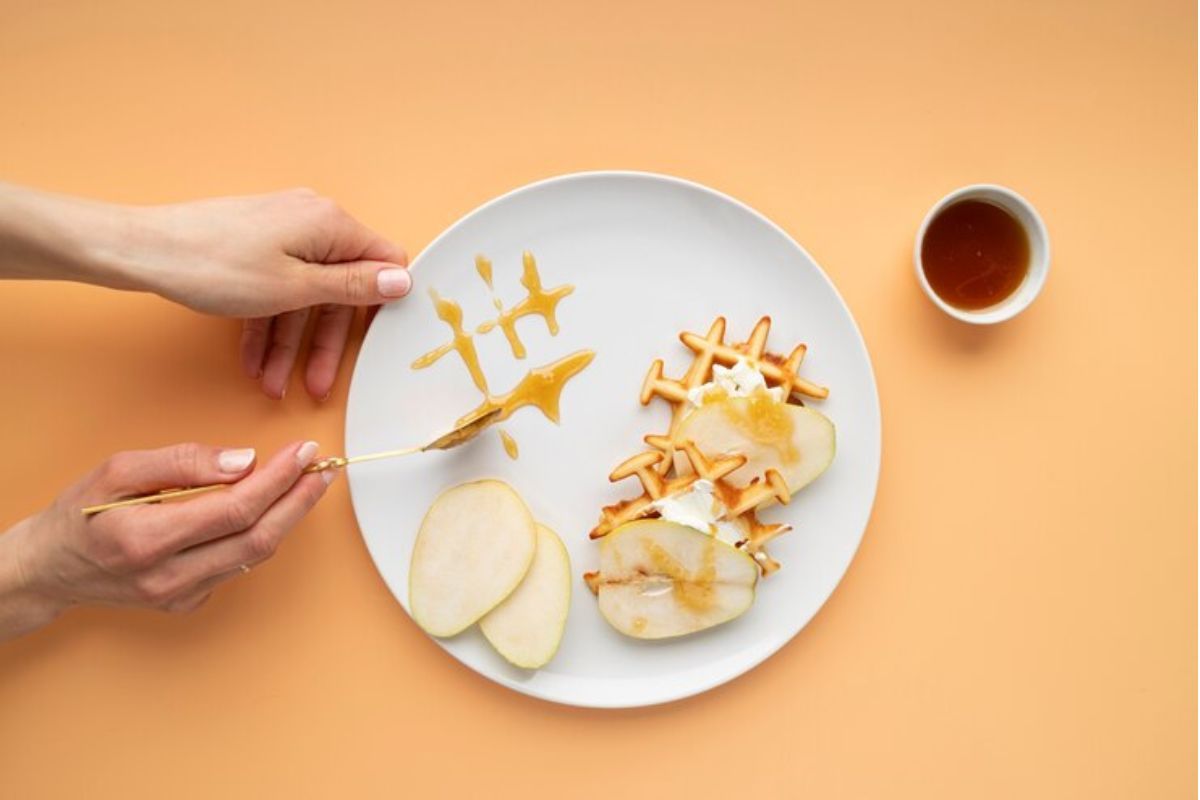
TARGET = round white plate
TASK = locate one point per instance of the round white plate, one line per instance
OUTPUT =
(649, 256)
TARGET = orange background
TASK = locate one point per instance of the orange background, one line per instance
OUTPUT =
(1021, 618)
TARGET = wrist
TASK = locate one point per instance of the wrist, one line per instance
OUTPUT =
(45, 236)
(27, 602)
(115, 246)
(107, 244)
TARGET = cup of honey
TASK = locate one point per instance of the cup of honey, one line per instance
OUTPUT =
(982, 254)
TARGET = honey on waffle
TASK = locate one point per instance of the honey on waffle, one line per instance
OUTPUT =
(673, 465)
(739, 502)
(736, 500)
(777, 371)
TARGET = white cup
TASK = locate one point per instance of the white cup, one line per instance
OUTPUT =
(1039, 253)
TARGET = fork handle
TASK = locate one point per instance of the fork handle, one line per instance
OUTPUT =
(165, 494)
(328, 462)
(320, 465)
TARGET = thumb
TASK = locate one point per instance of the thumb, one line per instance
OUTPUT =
(177, 466)
(357, 283)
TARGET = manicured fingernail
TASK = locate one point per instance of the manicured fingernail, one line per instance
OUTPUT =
(307, 452)
(330, 475)
(394, 282)
(235, 460)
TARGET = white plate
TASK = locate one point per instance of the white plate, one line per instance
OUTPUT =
(649, 256)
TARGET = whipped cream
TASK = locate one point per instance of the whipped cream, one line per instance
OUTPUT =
(700, 509)
(740, 380)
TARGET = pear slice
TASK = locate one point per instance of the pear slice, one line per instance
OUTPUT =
(475, 545)
(658, 579)
(795, 440)
(527, 627)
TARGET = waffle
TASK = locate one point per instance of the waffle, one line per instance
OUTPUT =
(673, 465)
(777, 371)
(739, 502)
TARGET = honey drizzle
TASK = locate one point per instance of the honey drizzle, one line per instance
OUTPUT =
(541, 387)
(763, 419)
(510, 445)
(695, 590)
(483, 265)
(540, 301)
(450, 312)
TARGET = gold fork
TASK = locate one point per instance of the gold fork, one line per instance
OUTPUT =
(467, 430)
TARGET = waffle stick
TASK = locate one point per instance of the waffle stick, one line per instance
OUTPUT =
(664, 470)
(675, 392)
(758, 533)
(739, 502)
(777, 371)
(654, 487)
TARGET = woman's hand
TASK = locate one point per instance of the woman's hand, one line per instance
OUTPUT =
(168, 556)
(278, 261)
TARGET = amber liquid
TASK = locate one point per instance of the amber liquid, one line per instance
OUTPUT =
(975, 254)
(538, 300)
(541, 387)
(483, 266)
(510, 445)
(764, 420)
(695, 590)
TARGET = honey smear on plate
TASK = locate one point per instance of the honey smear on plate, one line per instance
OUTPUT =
(542, 386)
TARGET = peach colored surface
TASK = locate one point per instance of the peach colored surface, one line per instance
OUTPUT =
(1021, 618)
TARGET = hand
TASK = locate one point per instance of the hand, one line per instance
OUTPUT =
(278, 260)
(168, 556)
(272, 259)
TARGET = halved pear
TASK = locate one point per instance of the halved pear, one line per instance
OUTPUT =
(795, 440)
(475, 545)
(658, 579)
(527, 627)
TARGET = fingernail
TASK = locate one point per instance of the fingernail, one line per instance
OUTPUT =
(307, 452)
(394, 282)
(233, 461)
(330, 475)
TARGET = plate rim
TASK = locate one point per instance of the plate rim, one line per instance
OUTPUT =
(530, 689)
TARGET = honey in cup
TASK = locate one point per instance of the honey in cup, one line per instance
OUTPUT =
(975, 254)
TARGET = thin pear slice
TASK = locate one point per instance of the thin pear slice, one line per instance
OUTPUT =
(795, 440)
(659, 579)
(475, 545)
(527, 627)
